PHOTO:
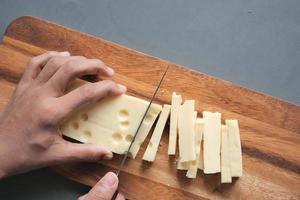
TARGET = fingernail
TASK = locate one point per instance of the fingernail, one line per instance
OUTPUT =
(122, 88)
(110, 71)
(64, 53)
(108, 156)
(109, 179)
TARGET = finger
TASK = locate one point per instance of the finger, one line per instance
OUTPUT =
(74, 152)
(104, 189)
(36, 64)
(120, 197)
(65, 151)
(51, 67)
(82, 197)
(87, 94)
(77, 68)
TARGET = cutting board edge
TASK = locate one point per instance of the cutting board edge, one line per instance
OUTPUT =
(21, 18)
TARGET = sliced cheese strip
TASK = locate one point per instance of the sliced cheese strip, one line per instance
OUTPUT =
(192, 171)
(193, 168)
(201, 157)
(152, 147)
(144, 130)
(225, 159)
(199, 147)
(176, 102)
(212, 134)
(111, 122)
(186, 131)
(199, 138)
(235, 149)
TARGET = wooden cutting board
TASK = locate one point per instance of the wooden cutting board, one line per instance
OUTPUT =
(270, 128)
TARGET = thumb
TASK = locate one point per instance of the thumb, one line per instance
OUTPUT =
(73, 152)
(104, 189)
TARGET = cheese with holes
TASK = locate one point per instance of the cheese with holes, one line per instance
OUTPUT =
(212, 143)
(176, 102)
(193, 168)
(112, 122)
(186, 131)
(152, 147)
(225, 159)
(235, 150)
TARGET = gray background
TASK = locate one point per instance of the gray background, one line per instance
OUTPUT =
(254, 43)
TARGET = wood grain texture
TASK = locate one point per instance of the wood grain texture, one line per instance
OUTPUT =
(270, 128)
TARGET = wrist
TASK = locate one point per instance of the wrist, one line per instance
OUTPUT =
(2, 170)
(6, 154)
(3, 162)
(2, 174)
(9, 163)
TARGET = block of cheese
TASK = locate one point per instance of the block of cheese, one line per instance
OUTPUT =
(193, 168)
(235, 149)
(212, 143)
(111, 122)
(186, 131)
(152, 147)
(176, 102)
(225, 159)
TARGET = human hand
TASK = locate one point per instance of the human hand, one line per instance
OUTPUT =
(29, 124)
(104, 189)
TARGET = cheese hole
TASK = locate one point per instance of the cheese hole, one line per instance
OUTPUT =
(185, 164)
(148, 118)
(129, 138)
(117, 137)
(124, 112)
(123, 115)
(124, 125)
(236, 144)
(87, 133)
(75, 125)
(150, 144)
(84, 117)
(154, 112)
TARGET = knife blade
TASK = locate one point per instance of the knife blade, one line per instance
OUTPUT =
(141, 122)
